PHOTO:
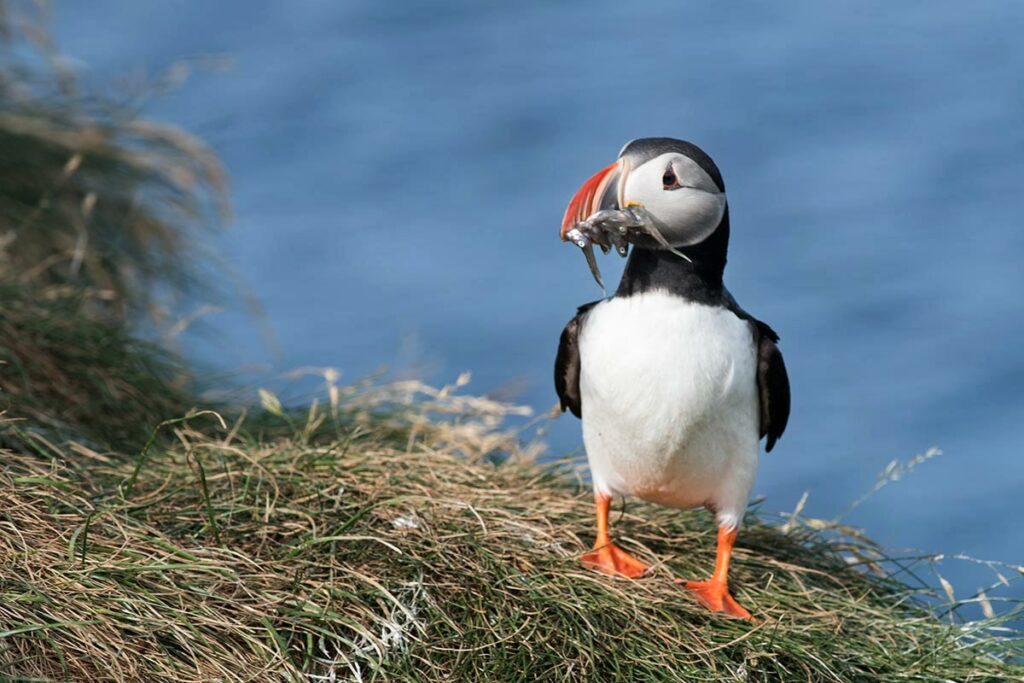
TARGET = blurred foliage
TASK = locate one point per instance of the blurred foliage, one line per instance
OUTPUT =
(71, 376)
(103, 220)
(96, 203)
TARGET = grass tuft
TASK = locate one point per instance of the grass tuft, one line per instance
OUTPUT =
(397, 550)
(394, 533)
(95, 201)
(70, 376)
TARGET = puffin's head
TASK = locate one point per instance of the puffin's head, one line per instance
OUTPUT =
(674, 181)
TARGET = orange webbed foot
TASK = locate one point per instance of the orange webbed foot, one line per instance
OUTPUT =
(716, 597)
(613, 560)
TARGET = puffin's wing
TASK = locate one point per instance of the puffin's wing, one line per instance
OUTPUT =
(567, 363)
(772, 380)
(772, 385)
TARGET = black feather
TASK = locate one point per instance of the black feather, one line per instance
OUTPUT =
(772, 379)
(772, 385)
(567, 363)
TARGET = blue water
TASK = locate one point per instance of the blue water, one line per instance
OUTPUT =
(400, 170)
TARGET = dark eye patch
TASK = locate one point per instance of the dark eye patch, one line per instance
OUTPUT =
(669, 181)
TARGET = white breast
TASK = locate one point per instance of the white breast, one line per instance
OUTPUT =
(670, 406)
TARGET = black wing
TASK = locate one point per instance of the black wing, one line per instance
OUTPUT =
(772, 380)
(567, 363)
(772, 385)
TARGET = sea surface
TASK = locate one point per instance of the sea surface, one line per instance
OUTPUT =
(400, 169)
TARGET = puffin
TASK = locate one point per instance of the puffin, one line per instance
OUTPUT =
(675, 384)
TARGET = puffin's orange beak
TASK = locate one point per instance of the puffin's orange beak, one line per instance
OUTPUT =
(602, 190)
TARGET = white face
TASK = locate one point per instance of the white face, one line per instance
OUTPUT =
(683, 200)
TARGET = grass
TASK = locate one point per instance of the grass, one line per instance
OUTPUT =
(97, 202)
(390, 533)
(103, 215)
(70, 375)
(393, 547)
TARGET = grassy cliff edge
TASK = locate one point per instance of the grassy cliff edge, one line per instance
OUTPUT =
(361, 543)
(390, 533)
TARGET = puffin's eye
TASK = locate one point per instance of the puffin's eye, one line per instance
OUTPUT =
(669, 180)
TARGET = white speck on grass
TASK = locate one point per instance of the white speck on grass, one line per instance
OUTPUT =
(403, 522)
(396, 629)
(527, 535)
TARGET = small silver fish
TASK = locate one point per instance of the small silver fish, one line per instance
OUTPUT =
(618, 240)
(588, 252)
(643, 221)
(584, 242)
(610, 228)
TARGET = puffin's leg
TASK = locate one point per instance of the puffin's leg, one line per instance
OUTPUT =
(714, 593)
(606, 556)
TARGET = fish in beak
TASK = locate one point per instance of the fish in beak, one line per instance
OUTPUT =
(599, 213)
(601, 192)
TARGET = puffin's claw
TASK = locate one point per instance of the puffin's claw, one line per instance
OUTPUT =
(612, 560)
(716, 597)
(714, 593)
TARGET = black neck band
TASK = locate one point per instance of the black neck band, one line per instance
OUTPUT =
(699, 279)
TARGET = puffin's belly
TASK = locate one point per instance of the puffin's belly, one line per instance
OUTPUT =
(670, 407)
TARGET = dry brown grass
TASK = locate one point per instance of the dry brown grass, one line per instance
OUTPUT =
(98, 203)
(74, 377)
(394, 550)
(393, 533)
(104, 217)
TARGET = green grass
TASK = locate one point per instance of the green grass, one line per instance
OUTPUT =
(99, 204)
(390, 533)
(396, 550)
(74, 377)
(103, 220)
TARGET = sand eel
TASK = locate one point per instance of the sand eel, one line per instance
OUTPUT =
(674, 382)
